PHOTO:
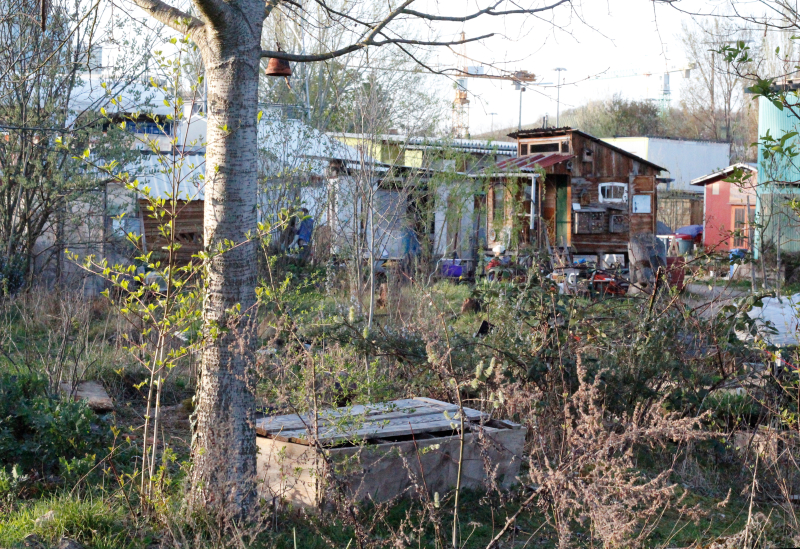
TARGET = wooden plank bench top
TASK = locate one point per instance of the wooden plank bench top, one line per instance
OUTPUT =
(364, 422)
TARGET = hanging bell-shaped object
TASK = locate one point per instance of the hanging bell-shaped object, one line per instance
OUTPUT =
(278, 67)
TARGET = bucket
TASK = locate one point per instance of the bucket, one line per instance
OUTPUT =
(675, 271)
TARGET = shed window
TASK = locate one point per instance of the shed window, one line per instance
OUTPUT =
(523, 149)
(613, 192)
(498, 208)
(542, 147)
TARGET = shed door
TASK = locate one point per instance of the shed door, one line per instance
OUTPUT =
(562, 212)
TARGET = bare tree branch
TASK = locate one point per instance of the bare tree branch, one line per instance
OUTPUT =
(487, 11)
(170, 16)
(361, 45)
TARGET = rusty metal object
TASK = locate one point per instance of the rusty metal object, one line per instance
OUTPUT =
(278, 67)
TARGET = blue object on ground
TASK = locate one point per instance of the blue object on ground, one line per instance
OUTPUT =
(452, 268)
(736, 254)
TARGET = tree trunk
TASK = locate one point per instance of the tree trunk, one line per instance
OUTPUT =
(224, 445)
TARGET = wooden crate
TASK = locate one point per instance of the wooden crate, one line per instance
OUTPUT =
(384, 450)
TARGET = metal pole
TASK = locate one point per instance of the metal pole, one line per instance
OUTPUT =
(778, 263)
(519, 124)
(533, 200)
(559, 70)
(558, 102)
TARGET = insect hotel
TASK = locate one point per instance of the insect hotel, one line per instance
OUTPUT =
(380, 451)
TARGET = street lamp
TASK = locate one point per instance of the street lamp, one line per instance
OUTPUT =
(559, 70)
(492, 114)
(518, 86)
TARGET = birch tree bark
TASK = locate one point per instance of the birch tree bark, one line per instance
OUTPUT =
(224, 445)
(224, 448)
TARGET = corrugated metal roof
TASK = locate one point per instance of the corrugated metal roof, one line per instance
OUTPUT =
(722, 174)
(288, 139)
(287, 148)
(482, 146)
(89, 95)
(529, 163)
(161, 177)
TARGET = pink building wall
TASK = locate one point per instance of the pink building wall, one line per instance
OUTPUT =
(720, 200)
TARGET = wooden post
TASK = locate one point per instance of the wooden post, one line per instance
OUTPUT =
(750, 244)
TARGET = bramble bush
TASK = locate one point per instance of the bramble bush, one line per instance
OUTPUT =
(42, 434)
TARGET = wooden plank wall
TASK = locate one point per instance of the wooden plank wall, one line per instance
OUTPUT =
(644, 223)
(681, 211)
(188, 227)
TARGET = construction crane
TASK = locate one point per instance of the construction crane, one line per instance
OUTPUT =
(666, 91)
(629, 73)
(461, 101)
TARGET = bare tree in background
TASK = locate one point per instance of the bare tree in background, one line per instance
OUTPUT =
(616, 117)
(328, 93)
(47, 94)
(714, 98)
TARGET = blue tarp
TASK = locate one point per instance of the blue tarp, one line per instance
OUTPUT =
(662, 228)
(691, 230)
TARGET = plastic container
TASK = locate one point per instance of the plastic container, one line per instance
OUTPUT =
(452, 268)
(735, 256)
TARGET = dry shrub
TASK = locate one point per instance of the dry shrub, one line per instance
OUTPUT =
(591, 478)
(65, 334)
(691, 475)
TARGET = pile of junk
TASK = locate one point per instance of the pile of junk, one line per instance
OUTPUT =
(609, 275)
(586, 276)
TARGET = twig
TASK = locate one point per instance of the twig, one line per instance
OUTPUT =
(512, 519)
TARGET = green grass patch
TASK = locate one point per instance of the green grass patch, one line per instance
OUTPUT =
(95, 522)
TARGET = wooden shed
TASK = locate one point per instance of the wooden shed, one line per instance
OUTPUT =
(382, 451)
(594, 196)
(188, 230)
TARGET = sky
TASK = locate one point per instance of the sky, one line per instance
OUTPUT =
(606, 47)
(599, 39)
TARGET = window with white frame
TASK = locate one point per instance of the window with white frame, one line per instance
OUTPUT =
(613, 193)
